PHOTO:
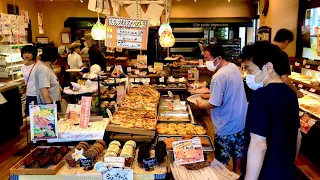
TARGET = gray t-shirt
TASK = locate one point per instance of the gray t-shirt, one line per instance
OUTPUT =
(45, 77)
(228, 94)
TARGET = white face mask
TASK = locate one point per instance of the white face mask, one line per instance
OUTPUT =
(211, 66)
(252, 84)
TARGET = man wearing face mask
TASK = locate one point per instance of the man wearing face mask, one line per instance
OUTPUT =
(273, 116)
(227, 104)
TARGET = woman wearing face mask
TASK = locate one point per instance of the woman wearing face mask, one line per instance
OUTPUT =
(227, 104)
(273, 116)
(46, 82)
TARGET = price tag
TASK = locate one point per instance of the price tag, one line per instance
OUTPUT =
(131, 80)
(151, 70)
(109, 114)
(86, 162)
(200, 62)
(304, 62)
(148, 80)
(297, 64)
(128, 69)
(312, 90)
(170, 94)
(114, 161)
(108, 68)
(307, 66)
(300, 86)
(116, 173)
(136, 72)
(161, 79)
(149, 163)
(137, 80)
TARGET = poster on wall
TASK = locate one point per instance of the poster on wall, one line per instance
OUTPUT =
(127, 33)
(25, 15)
(43, 122)
(40, 23)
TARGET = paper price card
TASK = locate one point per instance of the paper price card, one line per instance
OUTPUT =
(312, 90)
(114, 161)
(307, 66)
(161, 79)
(149, 163)
(188, 151)
(117, 174)
(85, 111)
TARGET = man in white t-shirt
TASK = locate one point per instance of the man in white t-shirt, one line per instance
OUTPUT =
(29, 54)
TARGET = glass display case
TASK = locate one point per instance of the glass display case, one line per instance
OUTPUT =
(11, 61)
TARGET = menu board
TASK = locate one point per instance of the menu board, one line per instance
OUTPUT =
(127, 33)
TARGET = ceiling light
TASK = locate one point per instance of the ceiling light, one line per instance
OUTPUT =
(229, 0)
(81, 1)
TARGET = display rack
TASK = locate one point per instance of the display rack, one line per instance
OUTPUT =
(11, 61)
(232, 49)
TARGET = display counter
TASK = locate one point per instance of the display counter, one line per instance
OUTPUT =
(11, 111)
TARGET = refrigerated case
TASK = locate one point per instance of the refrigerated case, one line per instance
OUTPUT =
(11, 61)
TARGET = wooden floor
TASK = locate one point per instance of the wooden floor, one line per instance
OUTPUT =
(11, 152)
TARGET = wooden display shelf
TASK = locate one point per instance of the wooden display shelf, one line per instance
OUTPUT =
(141, 131)
(125, 137)
(305, 84)
(18, 168)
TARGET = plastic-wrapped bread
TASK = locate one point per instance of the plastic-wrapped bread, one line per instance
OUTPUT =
(115, 142)
(130, 143)
(113, 148)
(110, 154)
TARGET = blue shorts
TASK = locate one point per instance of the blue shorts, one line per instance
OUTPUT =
(229, 146)
(29, 99)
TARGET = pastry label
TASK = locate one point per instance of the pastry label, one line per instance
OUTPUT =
(87, 162)
(312, 90)
(117, 174)
(149, 163)
(114, 161)
(161, 79)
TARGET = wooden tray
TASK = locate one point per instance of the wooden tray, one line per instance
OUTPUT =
(141, 131)
(18, 168)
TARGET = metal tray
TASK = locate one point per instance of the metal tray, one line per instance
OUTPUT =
(188, 113)
(206, 149)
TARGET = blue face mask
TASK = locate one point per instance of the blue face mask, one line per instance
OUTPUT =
(252, 84)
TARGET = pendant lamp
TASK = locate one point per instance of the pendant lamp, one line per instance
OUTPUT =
(167, 39)
(98, 31)
(164, 27)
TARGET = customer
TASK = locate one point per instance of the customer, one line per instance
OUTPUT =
(227, 104)
(29, 54)
(273, 116)
(74, 59)
(46, 82)
(95, 55)
(282, 39)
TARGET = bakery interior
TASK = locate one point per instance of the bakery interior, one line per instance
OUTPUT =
(139, 81)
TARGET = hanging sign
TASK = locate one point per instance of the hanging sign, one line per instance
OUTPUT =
(40, 23)
(127, 33)
(142, 61)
